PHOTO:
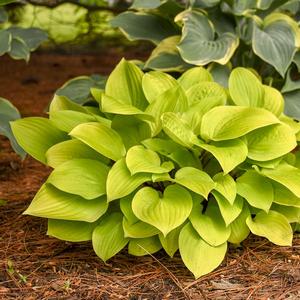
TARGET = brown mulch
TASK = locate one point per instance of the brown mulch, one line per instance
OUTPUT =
(34, 266)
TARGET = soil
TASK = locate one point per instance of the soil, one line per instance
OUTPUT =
(35, 266)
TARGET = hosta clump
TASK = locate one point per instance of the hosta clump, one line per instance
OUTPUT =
(157, 163)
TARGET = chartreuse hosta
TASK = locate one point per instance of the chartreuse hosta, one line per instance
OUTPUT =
(157, 163)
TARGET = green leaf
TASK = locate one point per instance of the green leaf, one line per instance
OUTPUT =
(275, 42)
(256, 189)
(177, 130)
(209, 225)
(108, 237)
(245, 88)
(198, 44)
(193, 77)
(198, 256)
(19, 49)
(226, 186)
(273, 226)
(71, 149)
(140, 159)
(166, 57)
(283, 196)
(195, 180)
(67, 120)
(145, 4)
(131, 129)
(239, 228)
(120, 183)
(166, 212)
(63, 103)
(292, 104)
(291, 213)
(273, 100)
(3, 15)
(5, 41)
(155, 83)
(205, 93)
(270, 142)
(170, 242)
(172, 100)
(229, 122)
(101, 138)
(220, 73)
(52, 203)
(229, 211)
(136, 26)
(83, 177)
(125, 85)
(228, 153)
(71, 231)
(36, 135)
(138, 230)
(110, 105)
(141, 247)
(286, 175)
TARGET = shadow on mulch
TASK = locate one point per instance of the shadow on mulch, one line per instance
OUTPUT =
(34, 266)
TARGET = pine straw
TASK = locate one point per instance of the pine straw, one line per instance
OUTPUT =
(34, 266)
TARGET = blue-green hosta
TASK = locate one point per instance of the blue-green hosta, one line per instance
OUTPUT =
(159, 163)
(264, 35)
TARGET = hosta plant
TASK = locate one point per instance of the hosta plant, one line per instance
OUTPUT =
(158, 163)
(263, 35)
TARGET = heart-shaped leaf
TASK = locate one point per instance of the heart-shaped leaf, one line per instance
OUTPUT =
(199, 257)
(166, 212)
(226, 186)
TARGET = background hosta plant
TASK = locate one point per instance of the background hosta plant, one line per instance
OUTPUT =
(263, 35)
(154, 162)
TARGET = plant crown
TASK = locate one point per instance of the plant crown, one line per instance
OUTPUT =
(154, 162)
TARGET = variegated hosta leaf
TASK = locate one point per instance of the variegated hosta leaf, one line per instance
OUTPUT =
(170, 242)
(286, 175)
(36, 135)
(245, 88)
(108, 237)
(198, 44)
(166, 57)
(140, 159)
(136, 26)
(198, 256)
(209, 225)
(155, 83)
(256, 189)
(129, 88)
(145, 246)
(71, 149)
(194, 76)
(120, 183)
(229, 153)
(226, 186)
(270, 142)
(166, 212)
(276, 42)
(52, 203)
(292, 105)
(101, 138)
(229, 211)
(195, 180)
(83, 177)
(273, 226)
(5, 41)
(71, 231)
(229, 122)
(239, 228)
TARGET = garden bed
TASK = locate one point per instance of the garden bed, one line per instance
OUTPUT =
(34, 266)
